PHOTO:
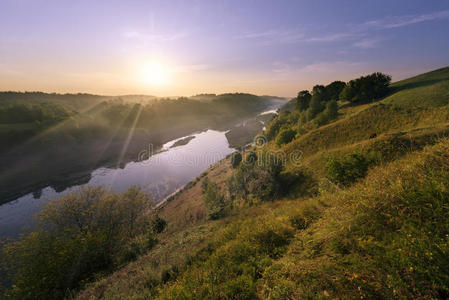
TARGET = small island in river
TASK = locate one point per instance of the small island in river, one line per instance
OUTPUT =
(183, 141)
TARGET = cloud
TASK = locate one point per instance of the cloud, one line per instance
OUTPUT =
(146, 36)
(290, 70)
(331, 38)
(288, 36)
(273, 36)
(253, 35)
(400, 21)
(367, 43)
(361, 31)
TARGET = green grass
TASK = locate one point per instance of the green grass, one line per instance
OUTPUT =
(423, 91)
(384, 237)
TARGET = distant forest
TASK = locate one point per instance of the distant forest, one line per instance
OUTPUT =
(43, 135)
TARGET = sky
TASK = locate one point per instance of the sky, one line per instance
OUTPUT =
(183, 48)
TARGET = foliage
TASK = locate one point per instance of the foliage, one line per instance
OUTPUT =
(261, 180)
(251, 158)
(215, 201)
(316, 106)
(285, 136)
(366, 88)
(334, 89)
(22, 113)
(328, 114)
(303, 100)
(348, 169)
(236, 159)
(158, 224)
(285, 119)
(80, 234)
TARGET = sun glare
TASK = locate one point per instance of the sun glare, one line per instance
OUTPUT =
(156, 74)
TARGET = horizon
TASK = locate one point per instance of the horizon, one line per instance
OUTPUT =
(182, 48)
(194, 95)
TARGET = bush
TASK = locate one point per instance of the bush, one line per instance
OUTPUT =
(236, 159)
(251, 158)
(158, 224)
(78, 235)
(285, 136)
(214, 201)
(259, 180)
(348, 169)
(285, 119)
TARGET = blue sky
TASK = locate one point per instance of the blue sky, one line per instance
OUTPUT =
(169, 48)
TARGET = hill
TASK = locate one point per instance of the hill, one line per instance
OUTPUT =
(353, 207)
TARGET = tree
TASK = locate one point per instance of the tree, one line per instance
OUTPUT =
(273, 128)
(366, 88)
(319, 90)
(332, 109)
(328, 114)
(315, 107)
(334, 89)
(303, 100)
(236, 159)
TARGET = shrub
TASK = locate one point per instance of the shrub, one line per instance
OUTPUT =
(236, 159)
(285, 119)
(158, 224)
(285, 136)
(348, 169)
(251, 158)
(214, 201)
(78, 235)
(259, 180)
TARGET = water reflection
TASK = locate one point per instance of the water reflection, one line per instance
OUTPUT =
(160, 175)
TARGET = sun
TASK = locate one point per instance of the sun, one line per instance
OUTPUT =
(156, 74)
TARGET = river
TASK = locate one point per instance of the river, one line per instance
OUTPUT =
(160, 175)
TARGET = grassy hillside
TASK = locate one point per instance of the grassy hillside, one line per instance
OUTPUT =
(358, 209)
(386, 236)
